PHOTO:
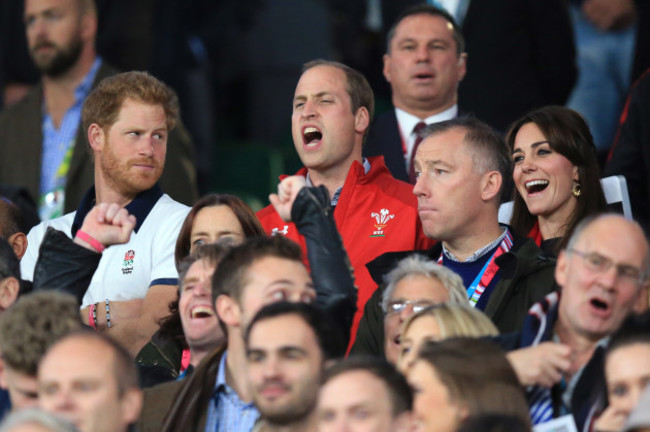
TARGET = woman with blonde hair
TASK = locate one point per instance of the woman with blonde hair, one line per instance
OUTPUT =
(438, 322)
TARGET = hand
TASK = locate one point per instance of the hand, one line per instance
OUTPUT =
(109, 224)
(609, 14)
(287, 192)
(611, 420)
(542, 364)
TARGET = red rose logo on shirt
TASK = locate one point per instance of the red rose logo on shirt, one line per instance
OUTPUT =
(127, 265)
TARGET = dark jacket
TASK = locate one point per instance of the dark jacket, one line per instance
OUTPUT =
(181, 405)
(526, 276)
(21, 143)
(64, 265)
(630, 153)
(384, 139)
(159, 360)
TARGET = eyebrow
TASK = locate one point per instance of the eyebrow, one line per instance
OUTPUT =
(190, 279)
(205, 233)
(292, 349)
(317, 95)
(533, 145)
(436, 163)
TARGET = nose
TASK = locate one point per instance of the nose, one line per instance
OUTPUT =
(308, 109)
(406, 312)
(419, 188)
(608, 278)
(36, 25)
(147, 147)
(404, 364)
(62, 402)
(340, 424)
(422, 53)
(527, 166)
(630, 401)
(201, 289)
(270, 368)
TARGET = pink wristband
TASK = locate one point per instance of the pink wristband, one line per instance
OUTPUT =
(91, 316)
(91, 241)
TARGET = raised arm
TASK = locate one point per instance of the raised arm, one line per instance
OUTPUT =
(331, 272)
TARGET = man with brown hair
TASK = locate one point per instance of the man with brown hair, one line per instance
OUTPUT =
(333, 106)
(42, 145)
(128, 117)
(27, 330)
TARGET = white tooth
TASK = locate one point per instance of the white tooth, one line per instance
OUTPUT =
(201, 309)
(536, 182)
(310, 130)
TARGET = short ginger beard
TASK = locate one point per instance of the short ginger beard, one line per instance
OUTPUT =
(64, 58)
(118, 178)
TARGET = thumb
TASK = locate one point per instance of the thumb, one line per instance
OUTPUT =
(275, 200)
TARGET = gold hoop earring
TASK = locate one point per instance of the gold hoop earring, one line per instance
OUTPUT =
(577, 190)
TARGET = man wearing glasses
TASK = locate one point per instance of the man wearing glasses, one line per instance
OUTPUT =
(603, 276)
(413, 285)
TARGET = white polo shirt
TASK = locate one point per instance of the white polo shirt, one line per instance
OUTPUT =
(125, 272)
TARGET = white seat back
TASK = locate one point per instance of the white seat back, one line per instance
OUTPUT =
(615, 190)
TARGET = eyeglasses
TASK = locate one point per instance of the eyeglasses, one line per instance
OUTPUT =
(397, 306)
(600, 264)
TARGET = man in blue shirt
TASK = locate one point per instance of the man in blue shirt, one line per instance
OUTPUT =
(42, 146)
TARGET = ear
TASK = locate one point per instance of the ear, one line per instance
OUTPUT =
(18, 242)
(462, 412)
(228, 310)
(561, 268)
(462, 66)
(96, 137)
(490, 185)
(576, 175)
(387, 61)
(361, 120)
(88, 27)
(131, 405)
(9, 289)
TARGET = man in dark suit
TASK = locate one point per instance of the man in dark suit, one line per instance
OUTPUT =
(424, 64)
(42, 146)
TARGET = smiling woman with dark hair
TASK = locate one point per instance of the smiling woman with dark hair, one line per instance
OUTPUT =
(556, 175)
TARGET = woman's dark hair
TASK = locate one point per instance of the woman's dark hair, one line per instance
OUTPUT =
(635, 329)
(243, 212)
(568, 134)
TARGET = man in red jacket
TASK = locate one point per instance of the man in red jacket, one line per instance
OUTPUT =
(374, 213)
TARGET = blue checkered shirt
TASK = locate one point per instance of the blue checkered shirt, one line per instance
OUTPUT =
(228, 413)
(56, 142)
